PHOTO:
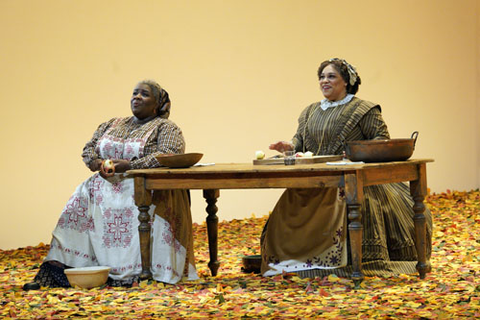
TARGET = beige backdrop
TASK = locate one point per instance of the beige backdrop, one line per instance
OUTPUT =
(239, 72)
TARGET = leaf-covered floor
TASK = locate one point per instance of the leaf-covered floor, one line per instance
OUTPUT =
(452, 290)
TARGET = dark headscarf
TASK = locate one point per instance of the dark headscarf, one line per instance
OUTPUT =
(161, 96)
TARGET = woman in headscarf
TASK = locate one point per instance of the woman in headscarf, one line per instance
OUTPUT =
(307, 230)
(99, 224)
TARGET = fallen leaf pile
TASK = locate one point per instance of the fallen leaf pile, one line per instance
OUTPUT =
(452, 290)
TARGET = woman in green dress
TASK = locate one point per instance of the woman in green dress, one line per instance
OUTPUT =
(307, 230)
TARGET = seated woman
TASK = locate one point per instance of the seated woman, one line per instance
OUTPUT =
(99, 224)
(307, 230)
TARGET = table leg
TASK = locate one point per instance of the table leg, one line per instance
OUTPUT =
(211, 196)
(143, 200)
(418, 190)
(354, 195)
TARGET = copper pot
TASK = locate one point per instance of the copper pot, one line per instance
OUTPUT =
(381, 150)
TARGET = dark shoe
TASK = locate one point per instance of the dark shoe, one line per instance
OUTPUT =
(31, 286)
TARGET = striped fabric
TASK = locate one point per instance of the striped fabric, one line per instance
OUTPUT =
(387, 214)
(166, 138)
(323, 132)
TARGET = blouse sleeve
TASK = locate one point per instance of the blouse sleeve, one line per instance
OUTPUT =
(169, 141)
(373, 126)
(298, 138)
(89, 154)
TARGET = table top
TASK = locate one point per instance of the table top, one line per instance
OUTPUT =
(233, 168)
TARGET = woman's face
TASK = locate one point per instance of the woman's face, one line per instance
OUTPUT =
(333, 86)
(143, 102)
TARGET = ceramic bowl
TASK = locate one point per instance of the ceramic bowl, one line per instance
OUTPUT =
(184, 160)
(87, 277)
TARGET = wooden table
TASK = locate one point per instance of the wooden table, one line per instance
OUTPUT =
(248, 176)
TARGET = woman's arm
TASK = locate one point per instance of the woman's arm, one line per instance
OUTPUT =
(169, 140)
(373, 126)
(299, 137)
(89, 155)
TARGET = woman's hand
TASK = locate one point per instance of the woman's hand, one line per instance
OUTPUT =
(121, 165)
(282, 146)
(95, 165)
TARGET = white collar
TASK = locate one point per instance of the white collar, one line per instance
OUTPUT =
(325, 103)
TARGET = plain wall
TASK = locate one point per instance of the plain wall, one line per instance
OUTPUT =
(477, 89)
(239, 72)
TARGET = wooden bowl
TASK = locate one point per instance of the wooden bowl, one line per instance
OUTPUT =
(184, 160)
(252, 263)
(381, 150)
(87, 277)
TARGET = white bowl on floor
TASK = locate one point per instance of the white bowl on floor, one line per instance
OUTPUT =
(87, 277)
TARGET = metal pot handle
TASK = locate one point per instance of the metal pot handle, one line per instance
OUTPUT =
(414, 137)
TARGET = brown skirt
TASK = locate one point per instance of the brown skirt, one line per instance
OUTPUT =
(303, 223)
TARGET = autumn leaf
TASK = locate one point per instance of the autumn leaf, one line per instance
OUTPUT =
(450, 291)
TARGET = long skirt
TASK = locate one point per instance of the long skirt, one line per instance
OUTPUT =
(306, 233)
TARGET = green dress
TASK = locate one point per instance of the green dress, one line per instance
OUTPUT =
(307, 230)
